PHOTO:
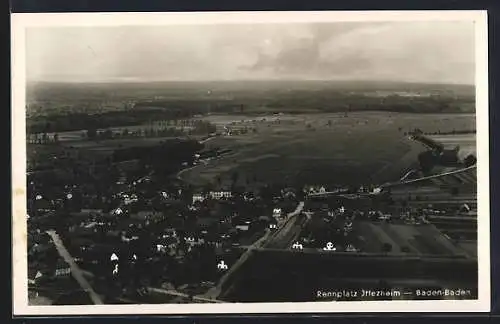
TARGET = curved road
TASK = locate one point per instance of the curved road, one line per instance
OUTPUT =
(392, 184)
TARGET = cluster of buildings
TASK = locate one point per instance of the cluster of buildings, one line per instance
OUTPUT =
(169, 228)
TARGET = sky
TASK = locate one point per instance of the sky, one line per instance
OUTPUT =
(431, 52)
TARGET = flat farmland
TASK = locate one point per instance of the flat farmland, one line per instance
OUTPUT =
(420, 239)
(318, 148)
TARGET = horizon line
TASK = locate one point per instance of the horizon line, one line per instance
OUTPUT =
(123, 81)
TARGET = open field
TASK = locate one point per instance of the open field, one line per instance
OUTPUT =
(422, 239)
(57, 107)
(319, 148)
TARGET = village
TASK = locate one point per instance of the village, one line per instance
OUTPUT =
(177, 238)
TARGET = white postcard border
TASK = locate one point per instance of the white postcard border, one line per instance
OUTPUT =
(19, 22)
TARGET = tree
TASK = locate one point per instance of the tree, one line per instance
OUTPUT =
(91, 133)
(470, 160)
(234, 177)
(387, 247)
(107, 134)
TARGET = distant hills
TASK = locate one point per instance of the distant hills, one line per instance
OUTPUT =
(72, 106)
(256, 85)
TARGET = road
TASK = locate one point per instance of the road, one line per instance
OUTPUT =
(435, 176)
(215, 291)
(287, 226)
(75, 270)
(399, 183)
(196, 165)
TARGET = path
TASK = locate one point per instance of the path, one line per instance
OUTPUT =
(75, 270)
(215, 291)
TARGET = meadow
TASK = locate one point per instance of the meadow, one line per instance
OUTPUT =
(330, 149)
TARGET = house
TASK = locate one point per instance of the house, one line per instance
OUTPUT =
(91, 211)
(129, 199)
(242, 223)
(168, 242)
(243, 227)
(39, 248)
(220, 194)
(43, 205)
(34, 275)
(62, 269)
(214, 238)
(248, 196)
(277, 212)
(465, 208)
(129, 237)
(198, 197)
(385, 217)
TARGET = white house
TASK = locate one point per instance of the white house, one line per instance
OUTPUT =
(385, 217)
(198, 197)
(242, 227)
(114, 257)
(220, 194)
(465, 208)
(277, 212)
(34, 277)
(62, 269)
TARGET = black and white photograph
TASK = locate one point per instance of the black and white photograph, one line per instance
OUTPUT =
(250, 162)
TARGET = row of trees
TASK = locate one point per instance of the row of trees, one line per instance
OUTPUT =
(43, 138)
(158, 130)
(161, 129)
(452, 132)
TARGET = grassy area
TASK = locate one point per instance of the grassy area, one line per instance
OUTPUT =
(422, 239)
(319, 148)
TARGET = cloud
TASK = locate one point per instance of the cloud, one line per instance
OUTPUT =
(415, 51)
(406, 51)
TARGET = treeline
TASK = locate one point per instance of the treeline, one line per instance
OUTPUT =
(164, 129)
(452, 132)
(298, 102)
(78, 121)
